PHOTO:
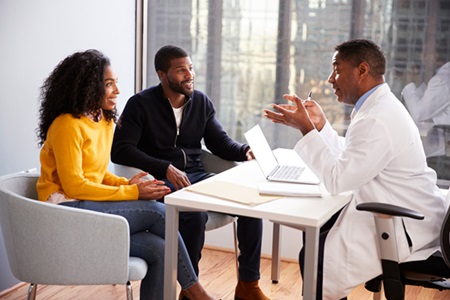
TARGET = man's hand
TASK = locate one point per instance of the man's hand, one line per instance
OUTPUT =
(178, 178)
(249, 154)
(315, 113)
(304, 115)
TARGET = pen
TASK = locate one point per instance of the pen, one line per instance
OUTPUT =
(309, 95)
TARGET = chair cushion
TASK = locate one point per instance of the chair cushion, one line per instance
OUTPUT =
(137, 268)
(434, 266)
(217, 220)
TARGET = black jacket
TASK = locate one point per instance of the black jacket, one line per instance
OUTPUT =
(146, 135)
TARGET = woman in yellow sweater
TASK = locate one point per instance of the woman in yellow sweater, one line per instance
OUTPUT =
(77, 116)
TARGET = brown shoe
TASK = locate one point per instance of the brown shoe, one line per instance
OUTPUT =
(182, 296)
(196, 292)
(249, 291)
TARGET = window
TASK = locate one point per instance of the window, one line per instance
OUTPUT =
(248, 53)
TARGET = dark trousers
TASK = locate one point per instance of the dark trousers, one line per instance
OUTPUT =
(323, 235)
(249, 233)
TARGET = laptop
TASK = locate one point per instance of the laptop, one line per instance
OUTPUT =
(272, 170)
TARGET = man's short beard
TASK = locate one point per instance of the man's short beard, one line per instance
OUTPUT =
(177, 88)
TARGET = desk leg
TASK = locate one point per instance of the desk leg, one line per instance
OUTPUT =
(311, 262)
(276, 241)
(171, 253)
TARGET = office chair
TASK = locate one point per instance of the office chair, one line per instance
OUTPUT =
(429, 273)
(59, 245)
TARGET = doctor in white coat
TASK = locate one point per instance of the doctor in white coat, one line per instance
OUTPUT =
(381, 159)
(429, 106)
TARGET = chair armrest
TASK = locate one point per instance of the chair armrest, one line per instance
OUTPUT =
(443, 126)
(69, 245)
(390, 210)
(128, 172)
(385, 228)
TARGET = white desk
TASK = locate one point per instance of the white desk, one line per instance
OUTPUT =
(309, 214)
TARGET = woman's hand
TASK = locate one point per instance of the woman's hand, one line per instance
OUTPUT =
(152, 189)
(149, 189)
(138, 178)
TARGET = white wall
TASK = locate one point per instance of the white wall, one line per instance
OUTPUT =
(34, 37)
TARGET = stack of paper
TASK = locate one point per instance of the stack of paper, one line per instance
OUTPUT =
(290, 189)
(231, 191)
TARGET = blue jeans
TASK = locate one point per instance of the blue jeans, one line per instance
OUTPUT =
(146, 220)
(249, 234)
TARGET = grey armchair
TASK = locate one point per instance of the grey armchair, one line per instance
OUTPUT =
(57, 245)
(213, 164)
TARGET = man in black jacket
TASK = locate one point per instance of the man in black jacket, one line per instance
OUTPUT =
(160, 131)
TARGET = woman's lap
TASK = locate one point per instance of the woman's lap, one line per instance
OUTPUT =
(141, 215)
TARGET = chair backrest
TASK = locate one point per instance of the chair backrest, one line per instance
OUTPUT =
(24, 184)
(128, 172)
(214, 164)
(211, 163)
(59, 245)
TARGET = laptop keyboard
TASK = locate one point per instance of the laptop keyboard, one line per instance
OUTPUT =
(287, 172)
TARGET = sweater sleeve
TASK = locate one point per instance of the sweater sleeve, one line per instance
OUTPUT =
(114, 180)
(80, 164)
(219, 142)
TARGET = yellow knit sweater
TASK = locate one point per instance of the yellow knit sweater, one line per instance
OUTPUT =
(74, 161)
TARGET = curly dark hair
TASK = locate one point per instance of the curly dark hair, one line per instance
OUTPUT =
(75, 86)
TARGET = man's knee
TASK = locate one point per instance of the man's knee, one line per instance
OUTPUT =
(194, 220)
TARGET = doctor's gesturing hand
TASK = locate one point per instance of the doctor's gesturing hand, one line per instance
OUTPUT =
(305, 115)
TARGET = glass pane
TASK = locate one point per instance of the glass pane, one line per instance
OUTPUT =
(248, 53)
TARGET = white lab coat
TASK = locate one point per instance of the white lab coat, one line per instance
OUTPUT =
(430, 105)
(430, 102)
(380, 160)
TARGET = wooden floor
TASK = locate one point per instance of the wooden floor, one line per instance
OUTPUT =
(218, 275)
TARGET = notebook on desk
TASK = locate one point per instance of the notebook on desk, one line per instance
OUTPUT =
(289, 189)
(268, 163)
